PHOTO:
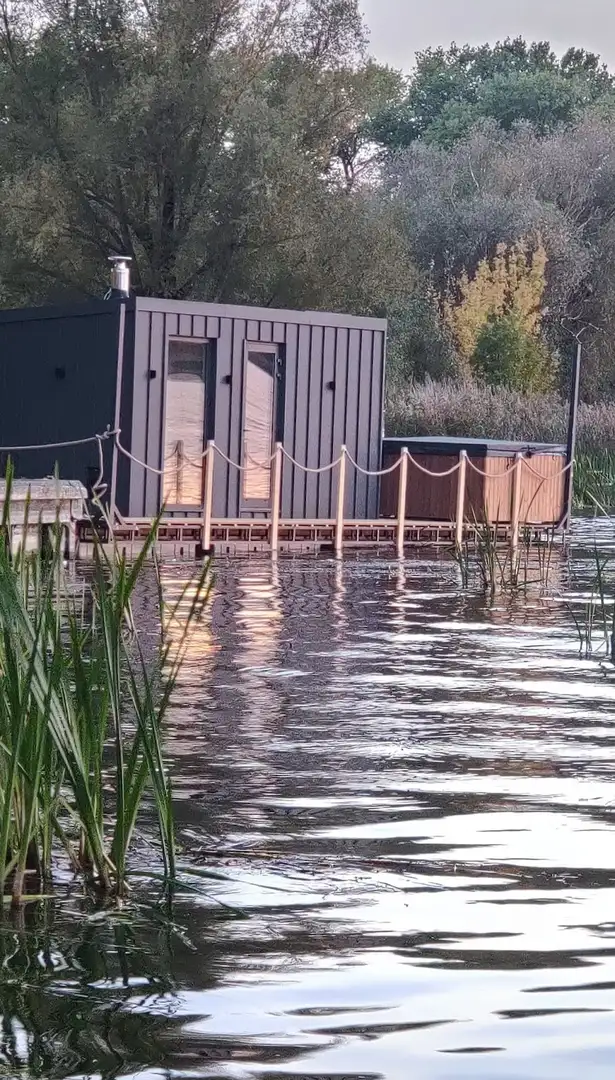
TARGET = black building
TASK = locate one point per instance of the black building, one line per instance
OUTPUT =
(171, 375)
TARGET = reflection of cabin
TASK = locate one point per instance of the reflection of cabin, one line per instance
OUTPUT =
(172, 375)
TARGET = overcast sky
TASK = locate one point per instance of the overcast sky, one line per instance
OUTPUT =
(400, 27)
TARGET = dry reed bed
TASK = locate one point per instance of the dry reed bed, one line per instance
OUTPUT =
(475, 411)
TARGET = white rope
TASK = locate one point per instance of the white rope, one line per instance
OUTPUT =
(307, 468)
(240, 468)
(488, 475)
(259, 464)
(100, 488)
(137, 461)
(251, 460)
(373, 472)
(429, 472)
(553, 476)
(56, 445)
(190, 461)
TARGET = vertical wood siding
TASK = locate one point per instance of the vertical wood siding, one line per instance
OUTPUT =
(332, 383)
(290, 340)
(431, 498)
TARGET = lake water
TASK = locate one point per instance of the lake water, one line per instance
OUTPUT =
(408, 795)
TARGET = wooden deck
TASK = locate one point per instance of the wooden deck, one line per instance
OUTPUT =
(181, 538)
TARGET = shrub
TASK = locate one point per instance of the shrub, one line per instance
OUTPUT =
(512, 283)
(507, 354)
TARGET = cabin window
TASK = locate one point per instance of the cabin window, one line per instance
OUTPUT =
(258, 423)
(184, 423)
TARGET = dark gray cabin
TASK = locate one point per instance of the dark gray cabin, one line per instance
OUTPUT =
(172, 375)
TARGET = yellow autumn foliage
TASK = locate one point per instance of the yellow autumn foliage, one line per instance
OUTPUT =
(512, 283)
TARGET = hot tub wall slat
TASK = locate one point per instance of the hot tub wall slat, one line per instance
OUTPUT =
(542, 500)
(435, 498)
(430, 498)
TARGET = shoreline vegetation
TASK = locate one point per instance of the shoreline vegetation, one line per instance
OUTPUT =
(468, 409)
(252, 153)
(83, 703)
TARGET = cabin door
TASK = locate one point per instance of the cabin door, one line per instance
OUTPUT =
(187, 386)
(261, 424)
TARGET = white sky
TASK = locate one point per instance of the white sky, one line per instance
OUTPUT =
(401, 27)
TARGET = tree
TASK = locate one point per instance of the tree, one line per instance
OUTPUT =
(420, 341)
(495, 318)
(513, 283)
(375, 87)
(197, 136)
(510, 82)
(496, 188)
(507, 354)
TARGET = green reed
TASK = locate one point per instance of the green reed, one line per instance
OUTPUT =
(75, 691)
(500, 566)
(594, 479)
(595, 626)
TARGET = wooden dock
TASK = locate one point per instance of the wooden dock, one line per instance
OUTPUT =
(181, 538)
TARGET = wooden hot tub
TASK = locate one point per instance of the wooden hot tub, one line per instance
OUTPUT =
(487, 498)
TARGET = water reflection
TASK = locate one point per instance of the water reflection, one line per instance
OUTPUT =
(258, 614)
(408, 794)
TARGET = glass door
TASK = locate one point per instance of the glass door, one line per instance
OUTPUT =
(184, 435)
(259, 422)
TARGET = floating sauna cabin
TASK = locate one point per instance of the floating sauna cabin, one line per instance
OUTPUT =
(173, 375)
(487, 497)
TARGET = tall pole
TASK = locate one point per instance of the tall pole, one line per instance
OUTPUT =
(208, 495)
(571, 442)
(276, 487)
(118, 409)
(338, 540)
(461, 497)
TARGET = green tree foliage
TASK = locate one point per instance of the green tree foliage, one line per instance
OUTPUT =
(495, 318)
(241, 151)
(513, 282)
(494, 188)
(202, 138)
(508, 354)
(420, 341)
(510, 82)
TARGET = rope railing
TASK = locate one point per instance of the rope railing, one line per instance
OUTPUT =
(491, 476)
(275, 464)
(371, 472)
(431, 472)
(311, 468)
(553, 476)
(108, 434)
(197, 463)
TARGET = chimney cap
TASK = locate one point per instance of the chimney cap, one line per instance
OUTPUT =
(120, 276)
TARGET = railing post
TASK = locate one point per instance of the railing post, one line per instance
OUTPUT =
(208, 494)
(461, 499)
(401, 501)
(516, 503)
(341, 492)
(276, 487)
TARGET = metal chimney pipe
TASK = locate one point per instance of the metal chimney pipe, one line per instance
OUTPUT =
(120, 276)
